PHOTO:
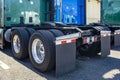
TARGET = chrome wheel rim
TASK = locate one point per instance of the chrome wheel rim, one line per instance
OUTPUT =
(38, 51)
(16, 44)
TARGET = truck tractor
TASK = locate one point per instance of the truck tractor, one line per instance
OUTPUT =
(110, 19)
(31, 27)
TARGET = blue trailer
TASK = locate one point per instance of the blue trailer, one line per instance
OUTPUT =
(70, 11)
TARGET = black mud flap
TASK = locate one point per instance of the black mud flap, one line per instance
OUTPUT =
(105, 43)
(117, 38)
(65, 56)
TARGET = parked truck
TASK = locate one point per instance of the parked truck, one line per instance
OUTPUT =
(31, 26)
(110, 19)
(74, 13)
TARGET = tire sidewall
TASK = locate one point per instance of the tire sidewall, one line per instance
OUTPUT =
(18, 55)
(45, 63)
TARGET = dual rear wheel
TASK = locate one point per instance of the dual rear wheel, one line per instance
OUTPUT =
(19, 43)
(42, 49)
(40, 46)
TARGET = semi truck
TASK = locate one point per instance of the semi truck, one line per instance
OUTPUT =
(110, 19)
(110, 12)
(32, 26)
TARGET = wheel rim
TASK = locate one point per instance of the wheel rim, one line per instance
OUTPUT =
(16, 44)
(38, 51)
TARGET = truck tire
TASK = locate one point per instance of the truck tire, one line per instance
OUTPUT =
(97, 47)
(87, 50)
(56, 33)
(19, 43)
(30, 31)
(42, 50)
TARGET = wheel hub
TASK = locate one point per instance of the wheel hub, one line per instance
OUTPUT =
(38, 51)
(16, 44)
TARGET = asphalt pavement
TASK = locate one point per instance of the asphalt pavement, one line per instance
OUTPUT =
(96, 68)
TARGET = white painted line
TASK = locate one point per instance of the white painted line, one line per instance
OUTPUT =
(3, 65)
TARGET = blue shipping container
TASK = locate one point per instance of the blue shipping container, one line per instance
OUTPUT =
(70, 11)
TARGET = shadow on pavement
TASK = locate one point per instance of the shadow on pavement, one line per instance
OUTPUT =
(90, 69)
(116, 48)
